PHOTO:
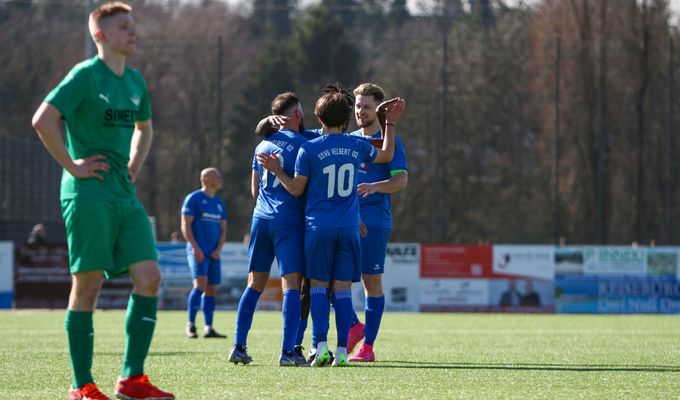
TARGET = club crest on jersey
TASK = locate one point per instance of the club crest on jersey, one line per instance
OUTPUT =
(135, 100)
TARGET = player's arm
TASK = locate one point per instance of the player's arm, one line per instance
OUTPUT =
(189, 236)
(255, 184)
(140, 146)
(268, 125)
(295, 185)
(223, 237)
(396, 183)
(393, 110)
(46, 123)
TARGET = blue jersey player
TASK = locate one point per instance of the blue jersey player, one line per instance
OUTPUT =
(277, 230)
(376, 183)
(204, 225)
(327, 168)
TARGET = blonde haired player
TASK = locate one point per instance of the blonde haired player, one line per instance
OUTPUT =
(105, 105)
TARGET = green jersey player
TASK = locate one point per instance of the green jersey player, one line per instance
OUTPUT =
(105, 106)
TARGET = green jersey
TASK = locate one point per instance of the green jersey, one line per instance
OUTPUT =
(100, 109)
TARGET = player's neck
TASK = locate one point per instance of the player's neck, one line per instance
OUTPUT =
(371, 129)
(325, 130)
(292, 127)
(209, 191)
(115, 61)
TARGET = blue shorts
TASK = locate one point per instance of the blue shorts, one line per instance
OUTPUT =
(373, 248)
(333, 254)
(211, 268)
(269, 239)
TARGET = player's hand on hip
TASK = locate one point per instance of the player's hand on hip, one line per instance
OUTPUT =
(90, 167)
(132, 173)
(365, 189)
(198, 254)
(363, 230)
(215, 255)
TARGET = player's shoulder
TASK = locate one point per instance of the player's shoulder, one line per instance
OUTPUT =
(310, 134)
(195, 194)
(83, 69)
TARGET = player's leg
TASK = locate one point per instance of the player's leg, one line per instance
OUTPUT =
(260, 258)
(290, 254)
(345, 268)
(319, 254)
(198, 272)
(214, 278)
(304, 316)
(135, 253)
(85, 289)
(90, 252)
(373, 267)
(291, 319)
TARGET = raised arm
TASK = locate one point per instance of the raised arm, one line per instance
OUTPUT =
(393, 110)
(268, 125)
(295, 185)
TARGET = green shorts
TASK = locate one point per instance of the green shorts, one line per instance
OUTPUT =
(107, 236)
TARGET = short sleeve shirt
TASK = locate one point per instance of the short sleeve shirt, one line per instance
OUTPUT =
(331, 162)
(100, 109)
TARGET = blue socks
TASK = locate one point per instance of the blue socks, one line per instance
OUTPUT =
(302, 327)
(291, 319)
(374, 311)
(320, 312)
(208, 306)
(193, 304)
(342, 301)
(244, 318)
(355, 319)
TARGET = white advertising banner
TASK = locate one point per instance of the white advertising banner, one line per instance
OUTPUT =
(400, 280)
(454, 292)
(615, 260)
(536, 262)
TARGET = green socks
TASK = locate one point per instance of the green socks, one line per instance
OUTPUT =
(140, 322)
(80, 333)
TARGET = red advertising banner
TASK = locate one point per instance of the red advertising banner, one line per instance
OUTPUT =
(455, 261)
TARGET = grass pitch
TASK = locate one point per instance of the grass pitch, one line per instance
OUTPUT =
(420, 356)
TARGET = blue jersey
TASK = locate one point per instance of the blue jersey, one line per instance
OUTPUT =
(273, 200)
(376, 210)
(331, 163)
(208, 213)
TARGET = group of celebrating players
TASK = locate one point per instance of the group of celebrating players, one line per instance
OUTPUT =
(323, 210)
(308, 185)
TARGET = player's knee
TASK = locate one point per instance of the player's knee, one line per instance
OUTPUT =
(84, 297)
(291, 281)
(201, 284)
(210, 290)
(149, 283)
(258, 281)
(373, 285)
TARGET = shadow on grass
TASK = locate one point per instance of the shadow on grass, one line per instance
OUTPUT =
(523, 367)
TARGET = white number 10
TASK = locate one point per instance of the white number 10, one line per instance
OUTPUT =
(345, 179)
